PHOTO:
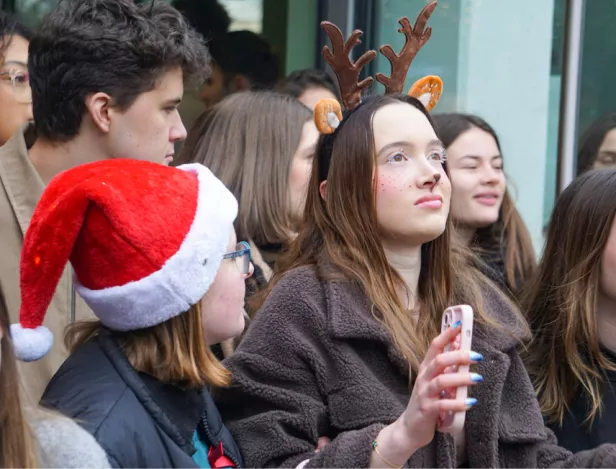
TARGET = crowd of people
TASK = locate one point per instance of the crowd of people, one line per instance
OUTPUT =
(266, 288)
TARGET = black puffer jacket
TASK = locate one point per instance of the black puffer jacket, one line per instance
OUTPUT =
(139, 421)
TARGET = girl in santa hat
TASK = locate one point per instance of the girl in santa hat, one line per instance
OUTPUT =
(156, 258)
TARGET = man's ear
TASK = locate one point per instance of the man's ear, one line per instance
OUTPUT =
(100, 110)
(323, 189)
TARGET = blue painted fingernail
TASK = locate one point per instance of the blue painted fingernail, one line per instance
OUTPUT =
(476, 357)
(456, 324)
(476, 378)
(470, 402)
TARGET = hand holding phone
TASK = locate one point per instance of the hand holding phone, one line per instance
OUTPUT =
(450, 421)
(422, 418)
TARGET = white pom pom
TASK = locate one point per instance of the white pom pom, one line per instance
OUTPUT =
(31, 344)
(332, 120)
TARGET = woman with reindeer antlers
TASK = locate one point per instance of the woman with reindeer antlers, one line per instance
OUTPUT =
(346, 343)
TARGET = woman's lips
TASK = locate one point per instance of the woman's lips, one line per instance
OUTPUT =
(489, 199)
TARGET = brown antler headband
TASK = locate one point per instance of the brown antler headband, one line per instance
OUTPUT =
(345, 69)
(428, 89)
(415, 38)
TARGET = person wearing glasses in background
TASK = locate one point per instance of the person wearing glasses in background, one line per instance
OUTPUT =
(165, 280)
(15, 94)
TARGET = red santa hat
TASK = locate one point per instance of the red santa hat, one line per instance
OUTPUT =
(145, 242)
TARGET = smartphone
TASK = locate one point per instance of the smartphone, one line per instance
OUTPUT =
(453, 422)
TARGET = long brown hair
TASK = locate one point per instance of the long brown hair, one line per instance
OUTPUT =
(17, 444)
(561, 298)
(174, 351)
(509, 231)
(343, 230)
(248, 141)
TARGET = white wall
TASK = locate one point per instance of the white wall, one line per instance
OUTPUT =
(504, 59)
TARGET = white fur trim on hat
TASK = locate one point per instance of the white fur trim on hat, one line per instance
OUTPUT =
(185, 277)
(31, 344)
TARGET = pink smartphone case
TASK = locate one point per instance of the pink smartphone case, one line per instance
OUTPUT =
(453, 422)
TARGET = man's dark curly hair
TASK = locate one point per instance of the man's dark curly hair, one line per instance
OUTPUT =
(112, 46)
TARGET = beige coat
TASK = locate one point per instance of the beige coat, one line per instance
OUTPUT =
(20, 189)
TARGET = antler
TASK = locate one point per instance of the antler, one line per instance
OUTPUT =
(346, 70)
(416, 37)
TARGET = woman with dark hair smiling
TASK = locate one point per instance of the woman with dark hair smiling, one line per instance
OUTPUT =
(165, 281)
(484, 213)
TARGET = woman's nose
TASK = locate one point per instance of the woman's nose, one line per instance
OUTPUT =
(430, 180)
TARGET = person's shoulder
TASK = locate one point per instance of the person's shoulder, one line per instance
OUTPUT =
(87, 387)
(16, 145)
(302, 282)
(298, 292)
(513, 327)
(63, 443)
(295, 307)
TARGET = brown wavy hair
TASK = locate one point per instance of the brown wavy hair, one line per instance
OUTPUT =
(561, 298)
(17, 443)
(248, 141)
(509, 233)
(343, 230)
(174, 351)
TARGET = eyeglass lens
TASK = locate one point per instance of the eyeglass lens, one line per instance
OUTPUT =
(21, 85)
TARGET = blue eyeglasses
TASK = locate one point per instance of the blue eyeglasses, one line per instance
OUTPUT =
(241, 255)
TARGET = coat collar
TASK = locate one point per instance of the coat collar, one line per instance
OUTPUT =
(184, 407)
(22, 183)
(172, 408)
(130, 376)
(351, 316)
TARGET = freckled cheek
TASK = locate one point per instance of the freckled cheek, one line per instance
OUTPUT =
(390, 183)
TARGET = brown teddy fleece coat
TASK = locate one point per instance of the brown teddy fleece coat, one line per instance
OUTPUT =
(316, 363)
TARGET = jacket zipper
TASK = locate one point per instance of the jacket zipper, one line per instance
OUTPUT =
(212, 439)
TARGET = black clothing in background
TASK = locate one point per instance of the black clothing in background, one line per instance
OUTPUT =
(575, 435)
